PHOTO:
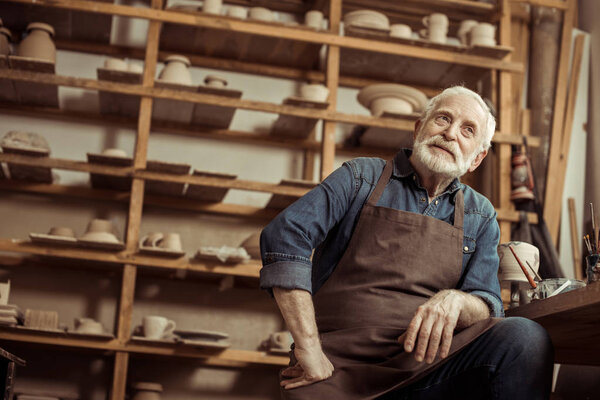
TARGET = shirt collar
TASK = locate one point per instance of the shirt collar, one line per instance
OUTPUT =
(403, 168)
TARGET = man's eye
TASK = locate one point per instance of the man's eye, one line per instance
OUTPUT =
(443, 118)
(469, 131)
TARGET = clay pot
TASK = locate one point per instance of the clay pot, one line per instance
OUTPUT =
(151, 239)
(215, 81)
(367, 19)
(212, 6)
(261, 14)
(483, 34)
(38, 43)
(88, 325)
(176, 70)
(170, 241)
(509, 267)
(314, 19)
(5, 37)
(314, 92)
(390, 104)
(114, 153)
(100, 230)
(61, 231)
(237, 12)
(147, 391)
(401, 31)
(115, 64)
(464, 29)
(437, 27)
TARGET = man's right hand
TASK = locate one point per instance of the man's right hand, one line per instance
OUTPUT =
(312, 366)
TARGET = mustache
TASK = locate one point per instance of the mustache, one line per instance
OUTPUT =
(452, 147)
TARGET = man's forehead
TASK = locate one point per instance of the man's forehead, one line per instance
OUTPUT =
(464, 106)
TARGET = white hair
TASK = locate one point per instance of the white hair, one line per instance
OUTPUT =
(489, 128)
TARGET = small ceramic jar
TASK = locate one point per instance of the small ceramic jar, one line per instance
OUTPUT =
(215, 81)
(261, 14)
(38, 43)
(314, 19)
(483, 34)
(437, 27)
(147, 391)
(464, 29)
(314, 92)
(401, 31)
(5, 37)
(212, 6)
(176, 70)
(115, 64)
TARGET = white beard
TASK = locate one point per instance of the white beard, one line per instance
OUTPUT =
(439, 163)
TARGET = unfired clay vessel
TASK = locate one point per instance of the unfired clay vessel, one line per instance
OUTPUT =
(101, 230)
(212, 6)
(38, 43)
(5, 37)
(176, 70)
(215, 81)
(147, 391)
(261, 14)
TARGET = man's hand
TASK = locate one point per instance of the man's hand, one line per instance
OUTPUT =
(433, 325)
(312, 366)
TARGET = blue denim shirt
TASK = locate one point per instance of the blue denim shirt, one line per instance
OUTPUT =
(324, 220)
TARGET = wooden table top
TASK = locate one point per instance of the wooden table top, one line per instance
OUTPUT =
(573, 321)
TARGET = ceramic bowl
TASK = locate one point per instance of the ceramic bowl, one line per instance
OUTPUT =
(367, 18)
(61, 231)
(115, 64)
(114, 153)
(137, 68)
(401, 31)
(261, 14)
(314, 92)
(313, 19)
(237, 12)
(103, 237)
(416, 98)
(212, 6)
(215, 81)
(25, 141)
(394, 105)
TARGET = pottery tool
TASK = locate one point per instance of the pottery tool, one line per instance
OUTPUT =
(560, 289)
(586, 240)
(529, 278)
(537, 276)
(594, 234)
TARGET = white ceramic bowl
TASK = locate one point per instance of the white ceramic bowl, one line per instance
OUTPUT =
(261, 14)
(314, 92)
(390, 104)
(368, 94)
(367, 18)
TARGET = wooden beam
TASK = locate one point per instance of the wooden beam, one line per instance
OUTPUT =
(559, 4)
(119, 382)
(575, 240)
(275, 30)
(561, 141)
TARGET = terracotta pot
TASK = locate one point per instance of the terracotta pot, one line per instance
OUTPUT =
(215, 81)
(38, 43)
(176, 70)
(147, 391)
(5, 37)
(212, 6)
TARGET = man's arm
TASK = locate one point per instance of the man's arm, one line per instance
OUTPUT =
(299, 314)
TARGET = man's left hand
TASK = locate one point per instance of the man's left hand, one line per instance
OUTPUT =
(433, 325)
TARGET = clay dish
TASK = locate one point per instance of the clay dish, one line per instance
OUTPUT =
(415, 97)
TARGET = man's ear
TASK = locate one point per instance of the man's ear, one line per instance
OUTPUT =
(478, 160)
(417, 125)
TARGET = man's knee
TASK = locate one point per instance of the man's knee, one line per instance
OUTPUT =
(527, 341)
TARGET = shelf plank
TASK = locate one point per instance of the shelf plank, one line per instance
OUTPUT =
(249, 269)
(227, 357)
(123, 105)
(297, 127)
(274, 30)
(34, 93)
(214, 116)
(7, 87)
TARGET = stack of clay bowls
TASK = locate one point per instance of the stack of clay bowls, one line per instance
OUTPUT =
(367, 19)
(5, 37)
(56, 235)
(391, 98)
(38, 44)
(509, 267)
(176, 70)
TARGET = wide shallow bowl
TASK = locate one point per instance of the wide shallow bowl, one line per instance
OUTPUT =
(368, 18)
(415, 97)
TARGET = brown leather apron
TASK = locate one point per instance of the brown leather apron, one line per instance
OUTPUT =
(395, 261)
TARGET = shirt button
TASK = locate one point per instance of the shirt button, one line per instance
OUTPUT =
(422, 198)
(466, 248)
(436, 202)
(414, 177)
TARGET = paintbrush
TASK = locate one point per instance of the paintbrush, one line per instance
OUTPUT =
(537, 276)
(594, 235)
(529, 278)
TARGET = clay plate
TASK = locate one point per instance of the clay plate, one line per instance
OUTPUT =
(159, 251)
(43, 238)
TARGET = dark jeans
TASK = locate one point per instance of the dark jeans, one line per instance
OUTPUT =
(512, 361)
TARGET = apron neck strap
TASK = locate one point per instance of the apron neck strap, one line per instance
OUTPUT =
(459, 209)
(381, 183)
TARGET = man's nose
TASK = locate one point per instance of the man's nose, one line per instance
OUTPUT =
(451, 133)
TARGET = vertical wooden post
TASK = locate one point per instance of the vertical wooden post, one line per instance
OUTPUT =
(551, 206)
(332, 76)
(505, 121)
(136, 205)
(308, 160)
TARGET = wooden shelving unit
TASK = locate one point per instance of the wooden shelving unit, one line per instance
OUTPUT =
(268, 49)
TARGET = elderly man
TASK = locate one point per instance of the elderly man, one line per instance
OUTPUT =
(401, 299)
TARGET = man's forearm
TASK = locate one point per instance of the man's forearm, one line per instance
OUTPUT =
(474, 310)
(297, 308)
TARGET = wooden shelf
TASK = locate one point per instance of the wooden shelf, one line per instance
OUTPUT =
(455, 9)
(227, 357)
(572, 321)
(249, 269)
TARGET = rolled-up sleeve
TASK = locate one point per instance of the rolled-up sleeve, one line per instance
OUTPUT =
(481, 276)
(287, 241)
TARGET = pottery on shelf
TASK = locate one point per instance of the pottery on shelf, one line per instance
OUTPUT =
(115, 64)
(100, 230)
(212, 6)
(147, 391)
(151, 239)
(61, 231)
(395, 98)
(367, 19)
(313, 19)
(88, 325)
(261, 14)
(314, 92)
(170, 241)
(215, 81)
(237, 12)
(436, 26)
(464, 30)
(401, 31)
(483, 34)
(5, 37)
(113, 152)
(176, 70)
(133, 67)
(26, 141)
(38, 43)
(157, 327)
(509, 267)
